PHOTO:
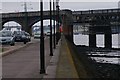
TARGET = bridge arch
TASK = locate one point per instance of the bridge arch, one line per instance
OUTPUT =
(36, 21)
(11, 23)
(7, 21)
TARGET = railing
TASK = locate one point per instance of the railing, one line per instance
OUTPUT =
(21, 14)
(96, 11)
(37, 13)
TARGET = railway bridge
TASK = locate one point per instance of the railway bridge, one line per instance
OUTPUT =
(97, 21)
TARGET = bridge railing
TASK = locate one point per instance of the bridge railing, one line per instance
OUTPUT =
(37, 13)
(96, 11)
(22, 14)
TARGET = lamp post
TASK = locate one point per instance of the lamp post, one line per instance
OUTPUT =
(51, 50)
(54, 23)
(25, 7)
(42, 57)
(57, 24)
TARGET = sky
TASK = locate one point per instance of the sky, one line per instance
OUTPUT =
(35, 6)
(62, 0)
(74, 5)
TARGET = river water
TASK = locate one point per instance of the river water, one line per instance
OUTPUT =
(81, 39)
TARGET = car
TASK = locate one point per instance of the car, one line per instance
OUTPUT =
(48, 33)
(37, 35)
(28, 36)
(21, 36)
(6, 37)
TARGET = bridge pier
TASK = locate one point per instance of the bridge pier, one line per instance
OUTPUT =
(30, 31)
(108, 37)
(108, 40)
(92, 40)
(68, 25)
(27, 29)
(92, 36)
(57, 24)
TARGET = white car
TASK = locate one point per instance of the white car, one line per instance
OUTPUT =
(6, 37)
(37, 35)
(48, 33)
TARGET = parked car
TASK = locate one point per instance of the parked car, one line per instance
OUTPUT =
(21, 36)
(6, 37)
(48, 33)
(37, 35)
(28, 36)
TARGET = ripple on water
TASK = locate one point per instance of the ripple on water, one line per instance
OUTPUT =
(106, 60)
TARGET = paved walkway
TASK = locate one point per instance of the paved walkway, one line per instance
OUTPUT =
(61, 64)
(66, 67)
(18, 45)
(25, 63)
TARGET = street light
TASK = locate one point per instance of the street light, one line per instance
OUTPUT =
(57, 24)
(51, 50)
(26, 7)
(54, 23)
(42, 57)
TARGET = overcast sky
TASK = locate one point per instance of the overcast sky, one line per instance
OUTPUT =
(35, 6)
(18, 6)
